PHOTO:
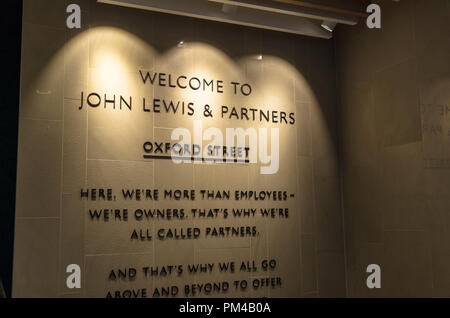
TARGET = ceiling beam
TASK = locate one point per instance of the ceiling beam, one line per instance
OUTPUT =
(244, 16)
(296, 8)
(313, 5)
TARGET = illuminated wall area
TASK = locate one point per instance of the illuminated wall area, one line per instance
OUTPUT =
(96, 186)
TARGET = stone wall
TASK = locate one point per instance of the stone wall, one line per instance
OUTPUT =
(63, 149)
(394, 86)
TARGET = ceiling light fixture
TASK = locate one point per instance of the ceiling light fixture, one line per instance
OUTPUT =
(328, 25)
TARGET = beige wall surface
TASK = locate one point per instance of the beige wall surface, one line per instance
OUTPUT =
(394, 86)
(63, 149)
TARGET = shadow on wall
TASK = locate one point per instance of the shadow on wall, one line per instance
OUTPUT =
(2, 290)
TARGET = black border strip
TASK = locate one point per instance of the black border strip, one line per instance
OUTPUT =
(10, 56)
